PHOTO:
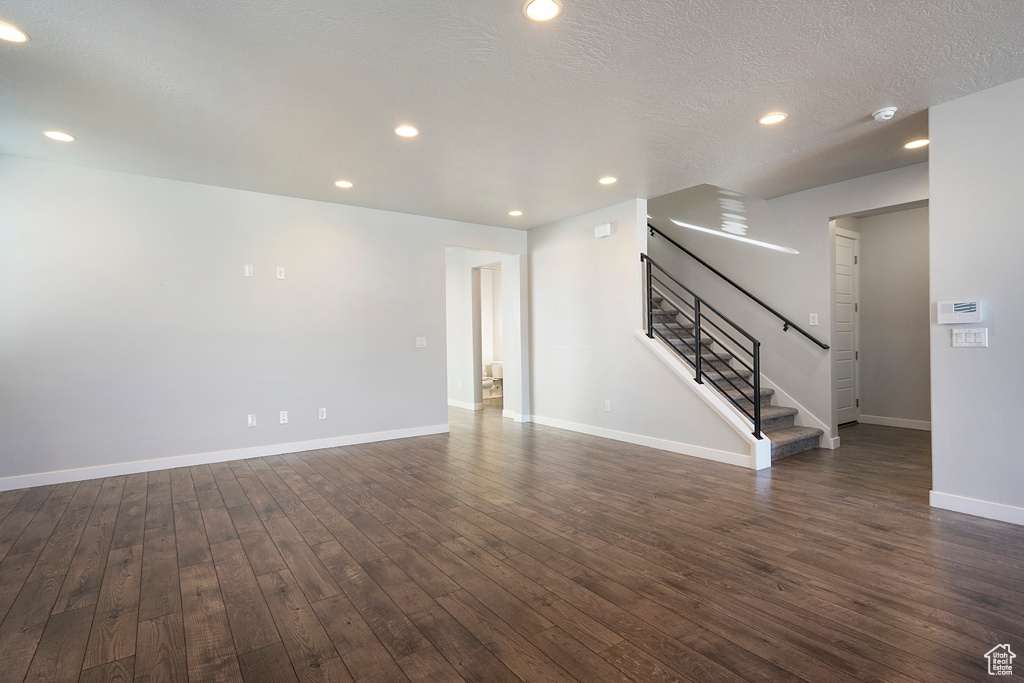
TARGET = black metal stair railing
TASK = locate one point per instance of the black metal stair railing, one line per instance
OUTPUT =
(786, 322)
(692, 327)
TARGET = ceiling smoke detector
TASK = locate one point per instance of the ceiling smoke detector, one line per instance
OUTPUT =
(885, 113)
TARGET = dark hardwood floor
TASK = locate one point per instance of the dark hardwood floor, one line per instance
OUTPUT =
(506, 552)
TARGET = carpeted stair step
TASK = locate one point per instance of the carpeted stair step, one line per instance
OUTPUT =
(788, 441)
(744, 400)
(777, 417)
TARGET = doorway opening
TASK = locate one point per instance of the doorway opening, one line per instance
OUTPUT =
(881, 318)
(486, 345)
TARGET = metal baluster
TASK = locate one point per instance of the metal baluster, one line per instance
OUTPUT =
(757, 390)
(696, 336)
(650, 305)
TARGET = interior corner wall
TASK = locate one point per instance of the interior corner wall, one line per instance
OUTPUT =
(583, 316)
(129, 335)
(895, 373)
(794, 284)
(977, 171)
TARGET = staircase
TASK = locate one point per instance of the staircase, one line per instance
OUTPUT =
(671, 320)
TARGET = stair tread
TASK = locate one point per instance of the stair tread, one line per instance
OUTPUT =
(770, 412)
(788, 435)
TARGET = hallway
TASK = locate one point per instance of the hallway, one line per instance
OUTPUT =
(506, 551)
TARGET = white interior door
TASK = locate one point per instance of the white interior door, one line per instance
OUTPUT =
(846, 317)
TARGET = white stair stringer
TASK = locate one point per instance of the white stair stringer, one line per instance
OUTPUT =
(760, 449)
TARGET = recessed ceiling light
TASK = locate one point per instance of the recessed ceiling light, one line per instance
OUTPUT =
(344, 183)
(515, 213)
(542, 10)
(607, 180)
(59, 136)
(406, 131)
(914, 144)
(774, 117)
(12, 34)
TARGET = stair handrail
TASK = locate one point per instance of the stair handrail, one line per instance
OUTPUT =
(787, 323)
(698, 332)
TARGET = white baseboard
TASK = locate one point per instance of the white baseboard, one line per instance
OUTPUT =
(465, 404)
(923, 425)
(741, 459)
(760, 449)
(518, 417)
(117, 469)
(980, 508)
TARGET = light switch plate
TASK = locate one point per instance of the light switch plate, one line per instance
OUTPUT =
(251, 420)
(280, 273)
(421, 342)
(248, 270)
(970, 338)
(814, 319)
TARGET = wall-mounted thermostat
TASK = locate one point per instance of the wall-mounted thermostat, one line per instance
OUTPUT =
(960, 311)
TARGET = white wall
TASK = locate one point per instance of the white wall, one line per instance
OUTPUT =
(584, 310)
(463, 323)
(895, 323)
(490, 315)
(796, 285)
(977, 172)
(128, 333)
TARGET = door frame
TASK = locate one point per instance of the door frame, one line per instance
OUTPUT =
(855, 236)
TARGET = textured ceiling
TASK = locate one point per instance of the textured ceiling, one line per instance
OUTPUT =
(287, 97)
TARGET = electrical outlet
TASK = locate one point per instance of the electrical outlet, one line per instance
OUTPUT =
(251, 419)
(421, 342)
(284, 417)
(814, 319)
(607, 406)
(248, 270)
(322, 414)
(280, 273)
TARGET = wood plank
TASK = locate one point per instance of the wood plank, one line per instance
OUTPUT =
(269, 664)
(21, 516)
(252, 625)
(391, 625)
(211, 653)
(23, 627)
(85, 576)
(38, 531)
(159, 502)
(15, 571)
(161, 650)
(59, 655)
(60, 547)
(313, 655)
(363, 654)
(117, 610)
(190, 535)
(309, 572)
(131, 517)
(121, 671)
(160, 593)
(216, 519)
(428, 665)
(514, 651)
(463, 651)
